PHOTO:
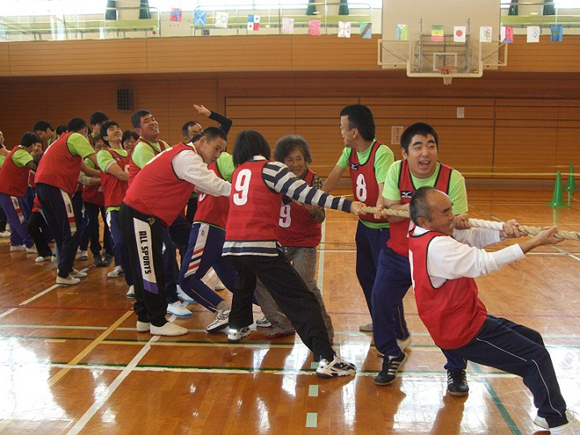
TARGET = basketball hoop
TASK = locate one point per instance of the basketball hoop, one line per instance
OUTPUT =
(447, 73)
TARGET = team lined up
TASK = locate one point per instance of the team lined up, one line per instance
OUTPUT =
(251, 223)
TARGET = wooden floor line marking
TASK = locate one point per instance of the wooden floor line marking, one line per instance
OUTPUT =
(33, 298)
(6, 313)
(311, 419)
(10, 311)
(321, 252)
(89, 348)
(81, 423)
(411, 374)
(566, 253)
(313, 391)
(497, 402)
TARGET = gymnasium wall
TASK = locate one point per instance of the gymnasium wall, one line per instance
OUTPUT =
(522, 119)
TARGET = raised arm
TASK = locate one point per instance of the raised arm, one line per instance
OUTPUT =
(225, 123)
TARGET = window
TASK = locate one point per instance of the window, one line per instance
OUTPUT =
(187, 5)
(567, 4)
(55, 7)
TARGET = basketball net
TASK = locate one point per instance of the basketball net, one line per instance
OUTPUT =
(447, 73)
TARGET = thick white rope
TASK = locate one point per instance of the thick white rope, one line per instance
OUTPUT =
(480, 223)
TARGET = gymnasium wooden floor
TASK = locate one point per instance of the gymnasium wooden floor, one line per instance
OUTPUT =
(72, 362)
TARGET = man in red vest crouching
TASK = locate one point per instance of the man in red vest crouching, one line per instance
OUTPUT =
(444, 262)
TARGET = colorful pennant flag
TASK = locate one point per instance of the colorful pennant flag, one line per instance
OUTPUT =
(402, 32)
(253, 23)
(557, 33)
(221, 20)
(199, 18)
(459, 33)
(314, 27)
(485, 34)
(534, 33)
(344, 29)
(507, 34)
(287, 26)
(175, 15)
(437, 33)
(365, 30)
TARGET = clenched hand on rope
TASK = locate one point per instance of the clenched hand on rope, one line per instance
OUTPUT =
(463, 222)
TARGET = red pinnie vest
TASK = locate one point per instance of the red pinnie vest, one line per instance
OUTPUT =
(364, 181)
(156, 190)
(399, 241)
(254, 208)
(94, 194)
(133, 168)
(295, 225)
(113, 188)
(452, 313)
(58, 167)
(13, 180)
(212, 209)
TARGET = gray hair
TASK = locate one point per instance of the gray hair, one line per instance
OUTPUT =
(419, 206)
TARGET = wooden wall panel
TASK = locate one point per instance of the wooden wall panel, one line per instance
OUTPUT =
(4, 60)
(248, 53)
(566, 148)
(219, 54)
(76, 57)
(468, 149)
(189, 54)
(545, 55)
(525, 149)
(329, 52)
(511, 124)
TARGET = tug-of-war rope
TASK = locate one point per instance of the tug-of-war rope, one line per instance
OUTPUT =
(480, 223)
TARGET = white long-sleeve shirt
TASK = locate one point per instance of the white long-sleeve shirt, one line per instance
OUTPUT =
(461, 255)
(189, 166)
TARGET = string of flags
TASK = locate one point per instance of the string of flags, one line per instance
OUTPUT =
(485, 33)
(221, 21)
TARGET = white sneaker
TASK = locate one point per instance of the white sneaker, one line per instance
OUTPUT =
(368, 327)
(178, 310)
(4, 234)
(143, 326)
(184, 296)
(131, 292)
(116, 272)
(84, 255)
(219, 285)
(78, 274)
(170, 329)
(222, 319)
(337, 367)
(69, 280)
(263, 323)
(17, 248)
(42, 259)
(31, 250)
(541, 422)
(404, 343)
(236, 335)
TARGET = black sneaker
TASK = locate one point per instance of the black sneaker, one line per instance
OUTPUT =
(391, 366)
(107, 259)
(457, 383)
(98, 261)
